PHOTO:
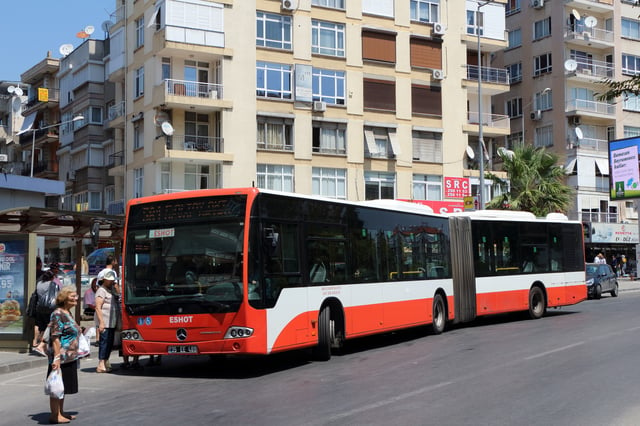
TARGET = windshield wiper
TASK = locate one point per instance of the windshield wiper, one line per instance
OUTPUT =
(146, 307)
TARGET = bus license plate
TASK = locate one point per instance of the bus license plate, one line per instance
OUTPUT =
(191, 349)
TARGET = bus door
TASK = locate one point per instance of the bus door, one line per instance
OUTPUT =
(462, 262)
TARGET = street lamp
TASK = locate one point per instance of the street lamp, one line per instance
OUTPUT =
(545, 91)
(33, 133)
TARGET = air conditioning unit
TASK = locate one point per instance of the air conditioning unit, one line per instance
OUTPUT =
(437, 74)
(289, 4)
(536, 115)
(4, 158)
(319, 106)
(575, 120)
(537, 4)
(438, 29)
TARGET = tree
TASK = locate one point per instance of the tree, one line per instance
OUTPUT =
(535, 183)
(619, 88)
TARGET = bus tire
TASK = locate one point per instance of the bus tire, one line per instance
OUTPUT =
(597, 292)
(537, 303)
(439, 320)
(323, 350)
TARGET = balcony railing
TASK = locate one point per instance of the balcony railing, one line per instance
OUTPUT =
(585, 33)
(116, 159)
(489, 120)
(599, 69)
(193, 89)
(601, 145)
(118, 15)
(489, 75)
(590, 106)
(115, 207)
(116, 110)
(195, 143)
(52, 132)
(54, 96)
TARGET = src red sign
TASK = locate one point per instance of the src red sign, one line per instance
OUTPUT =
(456, 187)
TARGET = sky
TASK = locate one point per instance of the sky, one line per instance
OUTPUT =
(31, 28)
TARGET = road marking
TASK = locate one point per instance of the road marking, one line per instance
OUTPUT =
(553, 351)
(386, 402)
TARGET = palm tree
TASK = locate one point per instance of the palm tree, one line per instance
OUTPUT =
(535, 183)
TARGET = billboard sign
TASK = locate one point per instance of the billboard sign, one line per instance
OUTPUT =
(624, 170)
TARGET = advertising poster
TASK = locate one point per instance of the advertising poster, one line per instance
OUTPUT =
(624, 169)
(12, 285)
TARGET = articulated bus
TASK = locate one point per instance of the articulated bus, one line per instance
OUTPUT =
(250, 271)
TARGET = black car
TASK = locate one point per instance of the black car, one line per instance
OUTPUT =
(601, 279)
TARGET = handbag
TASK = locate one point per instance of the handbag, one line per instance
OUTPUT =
(53, 386)
(33, 305)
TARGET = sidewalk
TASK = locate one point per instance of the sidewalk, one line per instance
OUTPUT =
(12, 361)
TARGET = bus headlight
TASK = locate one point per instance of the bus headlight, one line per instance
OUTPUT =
(131, 335)
(238, 332)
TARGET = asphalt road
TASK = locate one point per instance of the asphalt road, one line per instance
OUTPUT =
(576, 366)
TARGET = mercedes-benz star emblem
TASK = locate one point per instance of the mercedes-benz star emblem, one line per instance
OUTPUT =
(181, 334)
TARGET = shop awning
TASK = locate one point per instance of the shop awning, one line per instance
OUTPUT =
(603, 165)
(570, 167)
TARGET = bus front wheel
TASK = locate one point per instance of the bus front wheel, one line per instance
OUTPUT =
(325, 335)
(537, 303)
(439, 314)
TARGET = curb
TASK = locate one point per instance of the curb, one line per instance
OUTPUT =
(22, 365)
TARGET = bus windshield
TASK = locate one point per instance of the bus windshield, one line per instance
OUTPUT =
(185, 268)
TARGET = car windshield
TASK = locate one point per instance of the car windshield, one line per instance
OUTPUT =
(188, 268)
(592, 271)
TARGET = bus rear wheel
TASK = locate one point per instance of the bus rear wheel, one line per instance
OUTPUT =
(325, 335)
(439, 314)
(537, 303)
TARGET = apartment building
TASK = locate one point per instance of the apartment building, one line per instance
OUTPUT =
(357, 99)
(558, 54)
(12, 97)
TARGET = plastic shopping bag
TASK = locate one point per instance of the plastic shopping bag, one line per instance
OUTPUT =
(90, 333)
(84, 346)
(53, 386)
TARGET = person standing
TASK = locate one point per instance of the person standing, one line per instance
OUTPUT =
(64, 351)
(55, 269)
(89, 299)
(112, 265)
(36, 330)
(107, 318)
(599, 259)
(43, 313)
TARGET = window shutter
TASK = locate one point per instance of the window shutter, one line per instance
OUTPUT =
(426, 53)
(378, 46)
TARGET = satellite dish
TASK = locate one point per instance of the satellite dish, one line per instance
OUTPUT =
(89, 29)
(470, 152)
(167, 128)
(11, 89)
(576, 14)
(106, 26)
(16, 104)
(570, 65)
(578, 132)
(82, 34)
(161, 117)
(18, 91)
(504, 152)
(65, 49)
(590, 21)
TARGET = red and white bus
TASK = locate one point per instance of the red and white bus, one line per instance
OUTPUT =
(249, 271)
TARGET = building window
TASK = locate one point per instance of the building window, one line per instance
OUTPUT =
(631, 103)
(166, 68)
(329, 182)
(425, 10)
(515, 140)
(426, 53)
(196, 176)
(328, 86)
(542, 100)
(165, 177)
(542, 28)
(275, 176)
(140, 32)
(87, 201)
(630, 64)
(138, 182)
(334, 4)
(327, 38)
(543, 136)
(138, 83)
(378, 7)
(138, 134)
(542, 64)
(512, 7)
(631, 28)
(380, 142)
(631, 132)
(329, 138)
(273, 31)
(513, 107)
(378, 46)
(273, 80)
(427, 187)
(475, 22)
(196, 131)
(426, 100)
(275, 133)
(379, 95)
(427, 146)
(378, 185)
(515, 38)
(515, 72)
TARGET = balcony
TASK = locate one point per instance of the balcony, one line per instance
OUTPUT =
(591, 71)
(593, 6)
(601, 111)
(493, 125)
(583, 36)
(181, 94)
(186, 147)
(118, 15)
(116, 207)
(494, 80)
(42, 136)
(116, 159)
(37, 103)
(116, 115)
(196, 143)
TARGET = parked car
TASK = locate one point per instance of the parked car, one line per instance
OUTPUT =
(601, 279)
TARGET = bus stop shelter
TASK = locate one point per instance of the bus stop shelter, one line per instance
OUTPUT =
(19, 227)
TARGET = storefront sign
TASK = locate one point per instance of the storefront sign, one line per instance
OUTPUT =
(456, 187)
(614, 233)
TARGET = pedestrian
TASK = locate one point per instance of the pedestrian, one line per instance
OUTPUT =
(43, 312)
(55, 269)
(107, 318)
(89, 299)
(36, 330)
(599, 259)
(64, 332)
(112, 265)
